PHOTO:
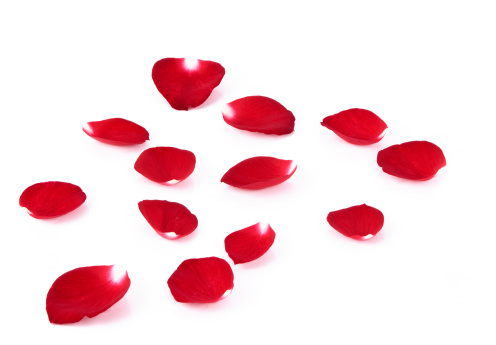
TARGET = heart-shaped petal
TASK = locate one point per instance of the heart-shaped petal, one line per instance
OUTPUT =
(249, 243)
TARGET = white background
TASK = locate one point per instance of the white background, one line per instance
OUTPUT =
(427, 68)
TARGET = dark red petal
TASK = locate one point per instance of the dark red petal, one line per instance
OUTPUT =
(358, 222)
(249, 243)
(413, 160)
(51, 199)
(116, 131)
(167, 165)
(259, 173)
(259, 114)
(356, 126)
(85, 291)
(170, 220)
(186, 83)
(204, 280)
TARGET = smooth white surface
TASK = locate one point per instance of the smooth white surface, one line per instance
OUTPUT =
(426, 68)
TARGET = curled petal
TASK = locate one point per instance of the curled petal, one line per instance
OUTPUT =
(51, 199)
(358, 222)
(116, 131)
(356, 126)
(249, 243)
(204, 280)
(259, 173)
(186, 83)
(259, 114)
(413, 160)
(167, 165)
(85, 291)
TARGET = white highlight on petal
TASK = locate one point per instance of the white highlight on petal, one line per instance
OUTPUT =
(87, 128)
(118, 273)
(291, 168)
(226, 294)
(227, 111)
(382, 134)
(172, 182)
(367, 237)
(170, 235)
(191, 64)
(263, 227)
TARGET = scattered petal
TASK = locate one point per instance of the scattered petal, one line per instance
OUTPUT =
(249, 243)
(116, 131)
(358, 222)
(413, 160)
(186, 83)
(259, 114)
(204, 280)
(85, 291)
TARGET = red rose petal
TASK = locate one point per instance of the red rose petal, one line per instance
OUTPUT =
(51, 199)
(358, 222)
(249, 243)
(356, 126)
(116, 131)
(186, 83)
(259, 114)
(170, 220)
(204, 280)
(85, 291)
(259, 173)
(413, 160)
(167, 165)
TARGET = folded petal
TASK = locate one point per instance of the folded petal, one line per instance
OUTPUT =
(356, 126)
(204, 280)
(259, 114)
(186, 83)
(413, 160)
(167, 165)
(358, 222)
(51, 199)
(85, 291)
(116, 131)
(259, 173)
(249, 243)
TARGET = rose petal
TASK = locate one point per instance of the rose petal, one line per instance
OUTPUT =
(85, 291)
(259, 114)
(356, 126)
(414, 160)
(186, 83)
(51, 199)
(116, 131)
(259, 173)
(358, 222)
(167, 165)
(170, 220)
(204, 280)
(249, 243)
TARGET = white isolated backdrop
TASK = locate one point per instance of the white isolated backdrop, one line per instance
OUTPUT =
(426, 68)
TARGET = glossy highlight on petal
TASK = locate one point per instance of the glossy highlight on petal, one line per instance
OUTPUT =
(204, 280)
(413, 160)
(51, 199)
(85, 291)
(116, 131)
(249, 243)
(186, 83)
(358, 222)
(356, 126)
(259, 114)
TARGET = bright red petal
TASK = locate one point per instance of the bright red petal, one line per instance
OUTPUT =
(356, 126)
(186, 83)
(259, 114)
(358, 222)
(116, 132)
(85, 291)
(413, 160)
(167, 165)
(51, 199)
(259, 173)
(204, 280)
(249, 243)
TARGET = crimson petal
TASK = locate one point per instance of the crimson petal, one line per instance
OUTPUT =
(249, 243)
(85, 291)
(358, 222)
(116, 131)
(356, 126)
(51, 199)
(259, 114)
(259, 173)
(167, 165)
(413, 160)
(204, 280)
(186, 83)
